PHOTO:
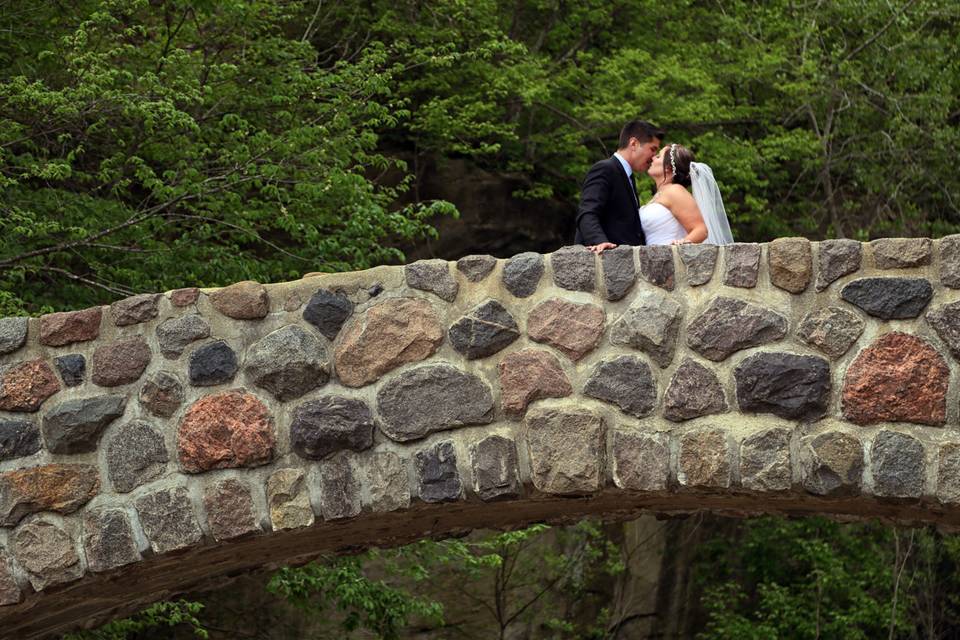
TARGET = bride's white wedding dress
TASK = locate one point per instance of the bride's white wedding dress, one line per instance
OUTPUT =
(659, 225)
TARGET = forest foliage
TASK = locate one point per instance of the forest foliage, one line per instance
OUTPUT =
(151, 144)
(146, 145)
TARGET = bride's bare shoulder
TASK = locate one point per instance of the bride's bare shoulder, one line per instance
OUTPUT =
(674, 192)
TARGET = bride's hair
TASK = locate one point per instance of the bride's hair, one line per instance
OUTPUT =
(678, 158)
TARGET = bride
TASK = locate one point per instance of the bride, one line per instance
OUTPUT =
(673, 216)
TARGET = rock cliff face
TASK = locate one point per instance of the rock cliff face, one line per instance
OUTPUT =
(165, 440)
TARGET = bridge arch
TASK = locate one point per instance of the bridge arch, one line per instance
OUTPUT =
(169, 440)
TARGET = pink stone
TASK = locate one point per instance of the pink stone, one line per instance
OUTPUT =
(67, 327)
(899, 378)
(386, 336)
(528, 375)
(225, 430)
(246, 300)
(25, 386)
(120, 362)
(574, 329)
(184, 297)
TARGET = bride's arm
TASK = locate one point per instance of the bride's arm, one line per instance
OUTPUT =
(684, 208)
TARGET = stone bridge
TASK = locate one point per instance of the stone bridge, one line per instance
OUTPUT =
(170, 441)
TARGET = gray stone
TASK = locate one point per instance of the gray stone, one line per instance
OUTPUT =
(496, 474)
(212, 364)
(784, 384)
(950, 261)
(765, 461)
(47, 554)
(704, 459)
(832, 330)
(948, 476)
(386, 482)
(327, 311)
(485, 330)
(641, 460)
(120, 362)
(289, 500)
(432, 398)
(10, 592)
(889, 298)
(13, 334)
(694, 391)
(619, 271)
(650, 325)
(901, 253)
(161, 394)
(175, 334)
(700, 261)
(288, 363)
(831, 464)
(566, 448)
(72, 368)
(339, 488)
(522, 274)
(742, 265)
(135, 309)
(18, 438)
(433, 276)
(108, 540)
(945, 320)
(574, 268)
(837, 258)
(229, 507)
(729, 325)
(328, 424)
(168, 520)
(438, 479)
(75, 426)
(656, 265)
(625, 381)
(136, 455)
(898, 465)
(476, 268)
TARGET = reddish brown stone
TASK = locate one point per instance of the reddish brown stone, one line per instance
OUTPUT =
(574, 329)
(229, 508)
(225, 430)
(791, 263)
(62, 488)
(387, 335)
(184, 297)
(67, 327)
(528, 375)
(24, 386)
(120, 362)
(246, 300)
(899, 378)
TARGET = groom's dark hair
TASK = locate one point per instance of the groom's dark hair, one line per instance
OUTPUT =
(642, 131)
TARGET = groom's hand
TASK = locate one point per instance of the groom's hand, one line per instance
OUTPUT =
(600, 248)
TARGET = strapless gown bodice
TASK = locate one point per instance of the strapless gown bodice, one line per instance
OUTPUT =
(659, 225)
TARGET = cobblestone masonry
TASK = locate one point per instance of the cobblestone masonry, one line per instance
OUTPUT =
(170, 440)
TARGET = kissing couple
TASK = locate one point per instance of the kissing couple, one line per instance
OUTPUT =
(610, 213)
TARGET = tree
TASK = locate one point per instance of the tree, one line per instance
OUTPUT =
(145, 146)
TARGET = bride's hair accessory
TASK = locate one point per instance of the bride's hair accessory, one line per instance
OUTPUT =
(707, 195)
(673, 159)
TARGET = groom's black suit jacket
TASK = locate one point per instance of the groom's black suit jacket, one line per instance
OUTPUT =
(608, 207)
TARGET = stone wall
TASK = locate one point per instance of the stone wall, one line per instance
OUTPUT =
(170, 439)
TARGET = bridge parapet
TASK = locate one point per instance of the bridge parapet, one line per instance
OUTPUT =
(169, 439)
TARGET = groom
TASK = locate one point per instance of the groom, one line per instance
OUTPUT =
(608, 214)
